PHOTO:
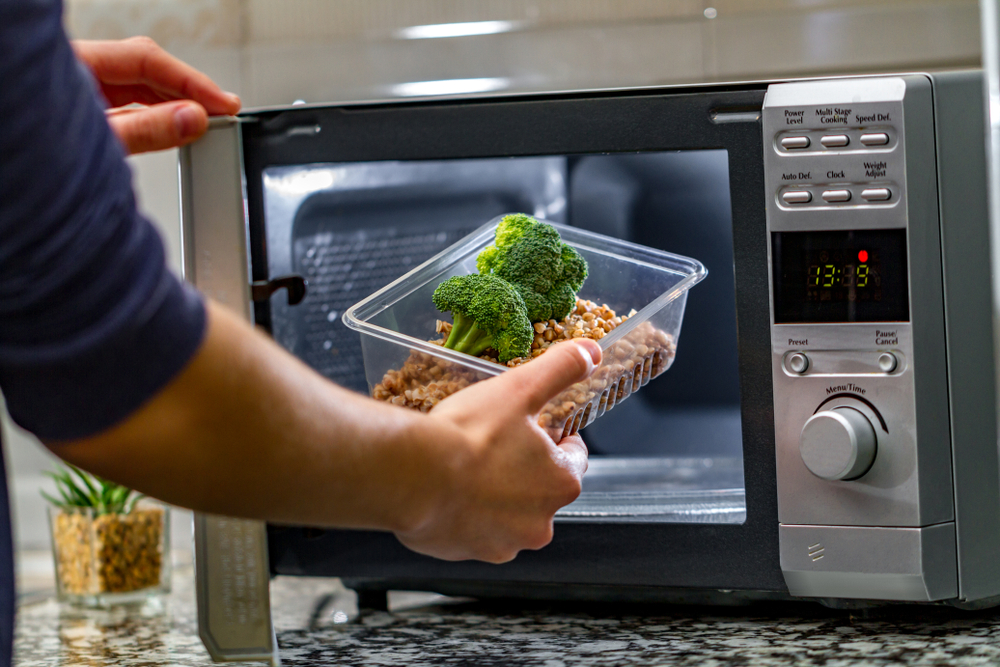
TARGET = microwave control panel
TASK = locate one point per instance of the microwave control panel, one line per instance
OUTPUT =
(860, 405)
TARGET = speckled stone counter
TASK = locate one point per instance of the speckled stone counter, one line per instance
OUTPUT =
(317, 623)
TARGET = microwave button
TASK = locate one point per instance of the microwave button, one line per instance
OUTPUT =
(835, 140)
(796, 197)
(876, 194)
(798, 363)
(875, 139)
(887, 362)
(794, 143)
(837, 195)
(838, 444)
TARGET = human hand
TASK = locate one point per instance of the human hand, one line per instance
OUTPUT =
(178, 98)
(507, 478)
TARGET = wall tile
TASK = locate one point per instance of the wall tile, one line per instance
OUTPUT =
(319, 20)
(855, 39)
(170, 22)
(539, 59)
(730, 7)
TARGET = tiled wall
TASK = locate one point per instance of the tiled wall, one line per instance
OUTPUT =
(277, 51)
(274, 52)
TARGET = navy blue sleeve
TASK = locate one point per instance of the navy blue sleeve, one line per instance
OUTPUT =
(92, 323)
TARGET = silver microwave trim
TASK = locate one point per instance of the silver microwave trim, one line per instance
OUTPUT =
(231, 558)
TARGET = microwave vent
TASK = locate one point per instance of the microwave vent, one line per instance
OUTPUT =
(342, 268)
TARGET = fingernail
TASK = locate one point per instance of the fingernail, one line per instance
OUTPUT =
(593, 349)
(234, 98)
(187, 120)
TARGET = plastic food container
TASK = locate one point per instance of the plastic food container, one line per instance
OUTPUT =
(398, 321)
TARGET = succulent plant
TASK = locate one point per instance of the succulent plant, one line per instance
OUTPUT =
(79, 489)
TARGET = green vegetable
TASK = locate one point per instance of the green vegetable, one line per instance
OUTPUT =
(488, 313)
(79, 489)
(531, 256)
(510, 230)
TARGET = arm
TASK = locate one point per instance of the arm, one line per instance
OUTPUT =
(84, 291)
(248, 430)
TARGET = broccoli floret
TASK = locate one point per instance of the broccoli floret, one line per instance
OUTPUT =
(488, 313)
(544, 270)
(511, 229)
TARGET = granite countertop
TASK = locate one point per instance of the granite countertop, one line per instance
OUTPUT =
(317, 623)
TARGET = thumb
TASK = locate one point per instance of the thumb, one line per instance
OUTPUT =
(160, 126)
(529, 387)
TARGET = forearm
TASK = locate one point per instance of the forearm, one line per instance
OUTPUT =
(253, 432)
(247, 430)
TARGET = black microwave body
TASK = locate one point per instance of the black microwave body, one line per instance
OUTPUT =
(620, 553)
(840, 364)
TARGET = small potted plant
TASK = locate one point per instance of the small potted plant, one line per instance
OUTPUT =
(109, 545)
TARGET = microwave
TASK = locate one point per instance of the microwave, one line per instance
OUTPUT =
(828, 431)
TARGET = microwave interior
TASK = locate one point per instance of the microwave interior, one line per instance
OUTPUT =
(681, 487)
(673, 452)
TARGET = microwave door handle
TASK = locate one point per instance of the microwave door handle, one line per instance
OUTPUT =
(261, 290)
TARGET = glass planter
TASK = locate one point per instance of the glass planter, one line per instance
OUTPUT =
(106, 559)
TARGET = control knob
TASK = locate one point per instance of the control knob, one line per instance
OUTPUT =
(838, 444)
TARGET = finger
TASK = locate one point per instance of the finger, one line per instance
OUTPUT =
(575, 455)
(119, 96)
(159, 127)
(140, 60)
(529, 387)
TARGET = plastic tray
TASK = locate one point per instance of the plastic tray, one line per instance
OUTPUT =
(398, 321)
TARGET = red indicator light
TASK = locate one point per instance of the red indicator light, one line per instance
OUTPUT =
(863, 256)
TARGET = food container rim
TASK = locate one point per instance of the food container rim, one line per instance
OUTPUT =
(356, 317)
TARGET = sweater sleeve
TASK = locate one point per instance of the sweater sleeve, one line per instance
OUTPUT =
(92, 323)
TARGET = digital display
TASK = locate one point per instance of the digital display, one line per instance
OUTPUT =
(850, 276)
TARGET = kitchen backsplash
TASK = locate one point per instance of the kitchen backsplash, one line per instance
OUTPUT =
(275, 51)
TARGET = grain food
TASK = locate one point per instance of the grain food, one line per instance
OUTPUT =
(110, 553)
(633, 360)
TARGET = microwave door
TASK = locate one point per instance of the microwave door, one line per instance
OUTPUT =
(681, 490)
